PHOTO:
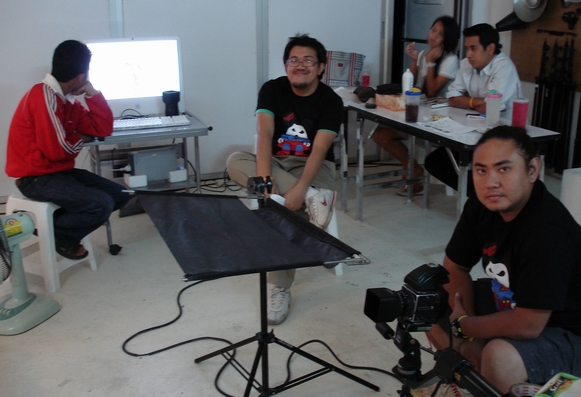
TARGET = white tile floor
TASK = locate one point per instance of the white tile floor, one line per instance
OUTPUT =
(78, 352)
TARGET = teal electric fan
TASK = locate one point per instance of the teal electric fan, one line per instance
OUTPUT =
(22, 310)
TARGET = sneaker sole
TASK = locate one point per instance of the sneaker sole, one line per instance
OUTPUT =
(331, 211)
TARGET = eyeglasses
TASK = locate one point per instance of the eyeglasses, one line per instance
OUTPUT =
(308, 63)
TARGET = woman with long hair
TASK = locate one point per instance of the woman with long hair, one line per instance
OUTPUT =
(433, 69)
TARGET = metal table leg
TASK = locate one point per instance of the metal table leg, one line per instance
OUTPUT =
(359, 179)
(344, 168)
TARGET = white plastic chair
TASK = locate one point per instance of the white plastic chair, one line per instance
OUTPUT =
(49, 266)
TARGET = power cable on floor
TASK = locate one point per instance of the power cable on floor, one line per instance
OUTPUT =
(230, 358)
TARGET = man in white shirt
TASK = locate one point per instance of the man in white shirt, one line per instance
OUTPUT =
(484, 69)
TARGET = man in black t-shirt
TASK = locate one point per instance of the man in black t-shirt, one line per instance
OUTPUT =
(298, 118)
(530, 247)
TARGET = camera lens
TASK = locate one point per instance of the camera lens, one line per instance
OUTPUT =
(255, 184)
(383, 305)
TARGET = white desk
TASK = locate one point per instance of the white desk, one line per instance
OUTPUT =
(194, 130)
(462, 143)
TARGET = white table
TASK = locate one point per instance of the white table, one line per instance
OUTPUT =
(464, 144)
(194, 130)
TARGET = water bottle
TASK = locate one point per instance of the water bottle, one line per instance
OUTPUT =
(407, 81)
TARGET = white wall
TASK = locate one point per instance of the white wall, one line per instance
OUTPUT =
(483, 11)
(341, 25)
(219, 52)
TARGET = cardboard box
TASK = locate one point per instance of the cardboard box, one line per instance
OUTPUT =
(395, 103)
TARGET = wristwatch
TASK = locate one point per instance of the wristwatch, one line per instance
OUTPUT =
(456, 329)
(431, 64)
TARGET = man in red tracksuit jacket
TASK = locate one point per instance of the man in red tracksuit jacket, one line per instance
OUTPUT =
(46, 135)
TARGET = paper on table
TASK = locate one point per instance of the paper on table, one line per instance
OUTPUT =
(347, 93)
(436, 102)
(448, 126)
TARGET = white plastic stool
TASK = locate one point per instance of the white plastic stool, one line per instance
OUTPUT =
(50, 266)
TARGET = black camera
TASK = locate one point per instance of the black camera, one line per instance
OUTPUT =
(419, 304)
(259, 185)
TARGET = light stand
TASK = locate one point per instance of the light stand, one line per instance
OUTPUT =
(264, 338)
(270, 239)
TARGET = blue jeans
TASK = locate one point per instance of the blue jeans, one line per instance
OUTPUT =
(86, 200)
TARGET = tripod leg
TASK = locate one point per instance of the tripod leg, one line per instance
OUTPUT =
(325, 364)
(226, 349)
(252, 374)
(405, 391)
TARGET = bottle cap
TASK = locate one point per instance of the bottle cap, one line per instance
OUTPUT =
(494, 94)
(414, 92)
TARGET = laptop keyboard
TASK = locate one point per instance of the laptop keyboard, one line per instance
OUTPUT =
(149, 122)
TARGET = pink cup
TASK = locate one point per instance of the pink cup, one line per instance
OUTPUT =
(520, 110)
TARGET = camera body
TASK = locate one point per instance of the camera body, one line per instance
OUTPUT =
(257, 185)
(419, 304)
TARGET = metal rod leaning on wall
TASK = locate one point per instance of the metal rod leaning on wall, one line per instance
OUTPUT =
(540, 89)
(556, 32)
(555, 97)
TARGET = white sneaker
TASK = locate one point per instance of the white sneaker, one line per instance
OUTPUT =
(278, 305)
(320, 207)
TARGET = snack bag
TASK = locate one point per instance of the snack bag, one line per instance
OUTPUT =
(561, 385)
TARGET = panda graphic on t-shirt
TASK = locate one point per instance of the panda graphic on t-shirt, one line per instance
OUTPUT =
(497, 270)
(295, 141)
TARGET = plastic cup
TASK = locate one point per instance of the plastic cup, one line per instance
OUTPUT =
(493, 109)
(524, 390)
(412, 106)
(520, 110)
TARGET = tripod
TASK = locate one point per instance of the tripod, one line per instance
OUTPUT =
(451, 366)
(264, 338)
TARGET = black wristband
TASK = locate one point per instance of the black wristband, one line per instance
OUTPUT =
(456, 329)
